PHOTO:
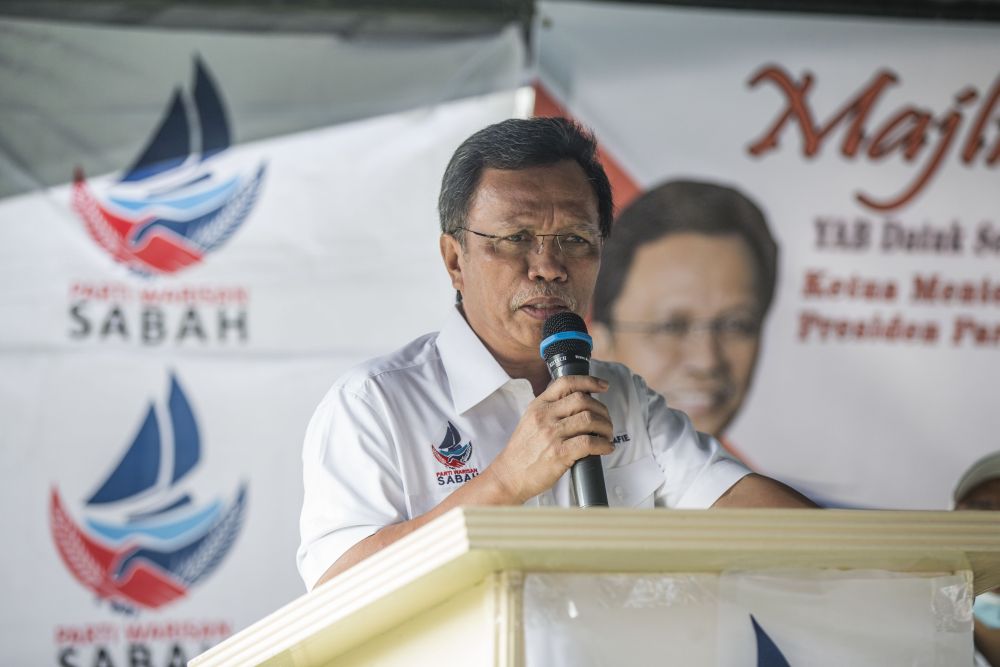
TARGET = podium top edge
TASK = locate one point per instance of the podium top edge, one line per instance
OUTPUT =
(467, 544)
(977, 526)
(762, 514)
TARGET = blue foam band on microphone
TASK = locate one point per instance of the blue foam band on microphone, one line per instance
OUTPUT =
(564, 335)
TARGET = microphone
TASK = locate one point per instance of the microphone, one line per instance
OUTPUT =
(566, 350)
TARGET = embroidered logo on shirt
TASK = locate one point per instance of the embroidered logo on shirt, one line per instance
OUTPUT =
(454, 454)
(620, 438)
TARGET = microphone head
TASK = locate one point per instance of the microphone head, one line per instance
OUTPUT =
(565, 333)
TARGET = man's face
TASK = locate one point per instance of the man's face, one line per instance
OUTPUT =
(985, 496)
(506, 298)
(700, 290)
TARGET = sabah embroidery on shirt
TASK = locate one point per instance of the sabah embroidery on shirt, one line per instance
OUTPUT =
(454, 454)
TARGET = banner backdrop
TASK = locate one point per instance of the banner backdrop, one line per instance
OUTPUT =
(169, 324)
(872, 148)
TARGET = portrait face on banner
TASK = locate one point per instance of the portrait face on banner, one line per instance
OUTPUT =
(687, 278)
(687, 319)
(875, 174)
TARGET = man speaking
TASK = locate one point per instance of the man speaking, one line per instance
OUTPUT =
(470, 415)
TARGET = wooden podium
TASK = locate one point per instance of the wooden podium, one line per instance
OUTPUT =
(461, 575)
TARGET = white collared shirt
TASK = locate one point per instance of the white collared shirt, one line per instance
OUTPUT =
(394, 436)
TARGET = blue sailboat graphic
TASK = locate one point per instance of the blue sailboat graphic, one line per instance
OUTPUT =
(768, 653)
(451, 451)
(452, 447)
(164, 530)
(172, 142)
(174, 203)
(139, 471)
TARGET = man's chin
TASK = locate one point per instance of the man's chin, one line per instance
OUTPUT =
(525, 332)
(707, 412)
(711, 421)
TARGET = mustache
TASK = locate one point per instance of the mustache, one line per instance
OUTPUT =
(549, 292)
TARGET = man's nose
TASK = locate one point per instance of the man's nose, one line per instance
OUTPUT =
(545, 261)
(702, 350)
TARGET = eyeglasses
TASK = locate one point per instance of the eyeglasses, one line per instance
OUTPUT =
(580, 244)
(726, 328)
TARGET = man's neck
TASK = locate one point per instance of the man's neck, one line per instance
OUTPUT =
(535, 373)
(533, 370)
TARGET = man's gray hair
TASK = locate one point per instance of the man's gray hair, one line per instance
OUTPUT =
(686, 206)
(519, 144)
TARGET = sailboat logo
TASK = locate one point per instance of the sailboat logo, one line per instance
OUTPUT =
(768, 653)
(144, 541)
(180, 199)
(452, 452)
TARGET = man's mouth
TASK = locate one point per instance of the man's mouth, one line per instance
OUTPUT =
(697, 401)
(542, 309)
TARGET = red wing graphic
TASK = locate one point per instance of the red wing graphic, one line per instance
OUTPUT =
(148, 587)
(110, 232)
(105, 232)
(160, 254)
(92, 564)
(86, 560)
(447, 460)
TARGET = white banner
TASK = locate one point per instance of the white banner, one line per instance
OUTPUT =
(871, 146)
(347, 212)
(169, 328)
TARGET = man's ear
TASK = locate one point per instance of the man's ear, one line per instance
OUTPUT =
(451, 253)
(604, 342)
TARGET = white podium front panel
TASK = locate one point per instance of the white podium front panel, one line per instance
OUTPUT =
(748, 619)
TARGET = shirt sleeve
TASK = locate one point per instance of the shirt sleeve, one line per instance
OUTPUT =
(697, 470)
(351, 480)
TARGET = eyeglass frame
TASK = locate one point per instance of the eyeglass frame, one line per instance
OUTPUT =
(594, 248)
(715, 326)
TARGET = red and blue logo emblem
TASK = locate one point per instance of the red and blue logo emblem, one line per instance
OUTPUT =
(144, 541)
(182, 198)
(452, 452)
(455, 455)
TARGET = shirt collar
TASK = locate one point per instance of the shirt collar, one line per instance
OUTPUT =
(473, 373)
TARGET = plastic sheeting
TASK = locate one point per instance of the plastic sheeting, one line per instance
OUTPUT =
(86, 95)
(743, 619)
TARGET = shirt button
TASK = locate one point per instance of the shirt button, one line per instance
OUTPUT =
(620, 492)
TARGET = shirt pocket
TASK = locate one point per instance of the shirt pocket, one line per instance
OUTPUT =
(633, 484)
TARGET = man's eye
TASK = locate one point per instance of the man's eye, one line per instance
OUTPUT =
(675, 327)
(575, 239)
(742, 327)
(519, 237)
